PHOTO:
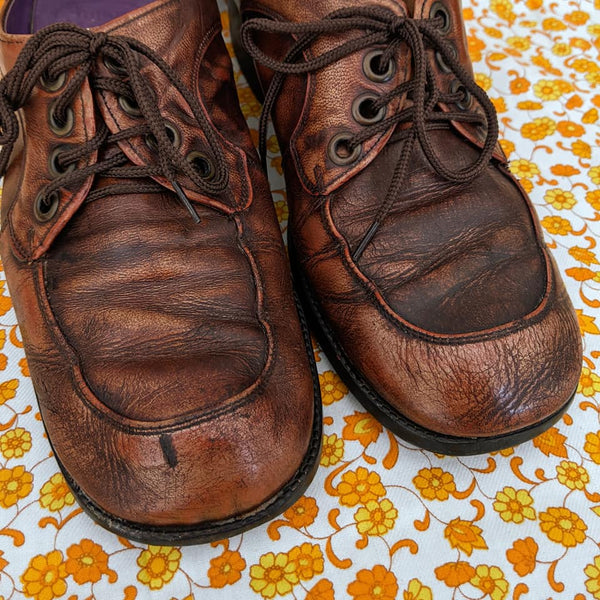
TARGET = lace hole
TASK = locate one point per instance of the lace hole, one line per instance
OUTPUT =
(363, 110)
(202, 164)
(340, 152)
(456, 88)
(172, 133)
(113, 65)
(374, 70)
(59, 128)
(54, 162)
(439, 11)
(53, 85)
(439, 59)
(130, 106)
(45, 207)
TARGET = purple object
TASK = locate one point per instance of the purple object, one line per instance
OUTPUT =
(27, 16)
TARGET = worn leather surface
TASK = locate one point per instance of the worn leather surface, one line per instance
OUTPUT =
(455, 313)
(167, 357)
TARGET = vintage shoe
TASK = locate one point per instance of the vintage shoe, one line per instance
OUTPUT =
(417, 253)
(146, 266)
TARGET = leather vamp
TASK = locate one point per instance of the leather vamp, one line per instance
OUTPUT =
(161, 313)
(449, 258)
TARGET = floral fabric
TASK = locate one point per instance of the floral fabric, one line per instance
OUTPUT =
(383, 520)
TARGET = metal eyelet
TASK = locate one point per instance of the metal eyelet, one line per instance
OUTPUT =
(439, 59)
(339, 151)
(53, 163)
(130, 106)
(372, 67)
(61, 129)
(172, 134)
(456, 87)
(202, 164)
(53, 85)
(439, 10)
(113, 65)
(362, 110)
(45, 207)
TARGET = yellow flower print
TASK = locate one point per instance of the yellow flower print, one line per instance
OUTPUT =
(524, 168)
(589, 383)
(581, 149)
(593, 198)
(303, 513)
(519, 43)
(592, 446)
(523, 555)
(435, 484)
(490, 580)
(592, 584)
(493, 32)
(362, 427)
(360, 487)
(226, 569)
(594, 174)
(249, 104)
(572, 475)
(15, 443)
(557, 225)
(561, 49)
(55, 494)
(538, 129)
(8, 390)
(376, 584)
(45, 577)
(563, 526)
(332, 387)
(14, 484)
(455, 574)
(519, 85)
(87, 562)
(464, 535)
(507, 147)
(560, 199)
(282, 211)
(546, 89)
(274, 575)
(417, 591)
(504, 9)
(550, 442)
(483, 81)
(332, 450)
(376, 518)
(514, 506)
(307, 560)
(158, 566)
(570, 129)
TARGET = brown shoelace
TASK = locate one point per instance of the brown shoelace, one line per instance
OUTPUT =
(61, 48)
(381, 27)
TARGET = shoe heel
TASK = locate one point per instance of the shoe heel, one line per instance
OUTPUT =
(244, 59)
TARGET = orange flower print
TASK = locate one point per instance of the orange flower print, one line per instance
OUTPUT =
(55, 494)
(376, 584)
(417, 591)
(483, 81)
(15, 443)
(435, 484)
(308, 560)
(551, 442)
(581, 149)
(359, 487)
(557, 225)
(561, 49)
(455, 574)
(592, 446)
(570, 129)
(552, 24)
(273, 575)
(564, 170)
(158, 566)
(45, 577)
(464, 535)
(490, 580)
(8, 389)
(226, 569)
(376, 518)
(303, 513)
(563, 526)
(332, 387)
(560, 199)
(504, 9)
(87, 562)
(523, 555)
(281, 208)
(15, 484)
(592, 584)
(475, 47)
(323, 590)
(514, 506)
(538, 129)
(3, 563)
(519, 85)
(572, 475)
(362, 427)
(507, 147)
(577, 17)
(332, 450)
(594, 174)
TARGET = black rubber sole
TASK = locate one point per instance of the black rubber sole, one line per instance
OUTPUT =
(358, 385)
(212, 531)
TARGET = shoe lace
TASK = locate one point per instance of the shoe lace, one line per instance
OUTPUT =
(45, 60)
(381, 27)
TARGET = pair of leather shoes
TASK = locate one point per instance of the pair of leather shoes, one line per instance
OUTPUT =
(172, 363)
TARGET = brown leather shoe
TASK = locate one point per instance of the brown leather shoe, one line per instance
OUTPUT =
(141, 247)
(418, 255)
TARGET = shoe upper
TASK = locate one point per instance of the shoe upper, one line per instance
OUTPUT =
(421, 249)
(154, 300)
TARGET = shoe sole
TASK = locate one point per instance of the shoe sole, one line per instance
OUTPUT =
(358, 385)
(211, 531)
